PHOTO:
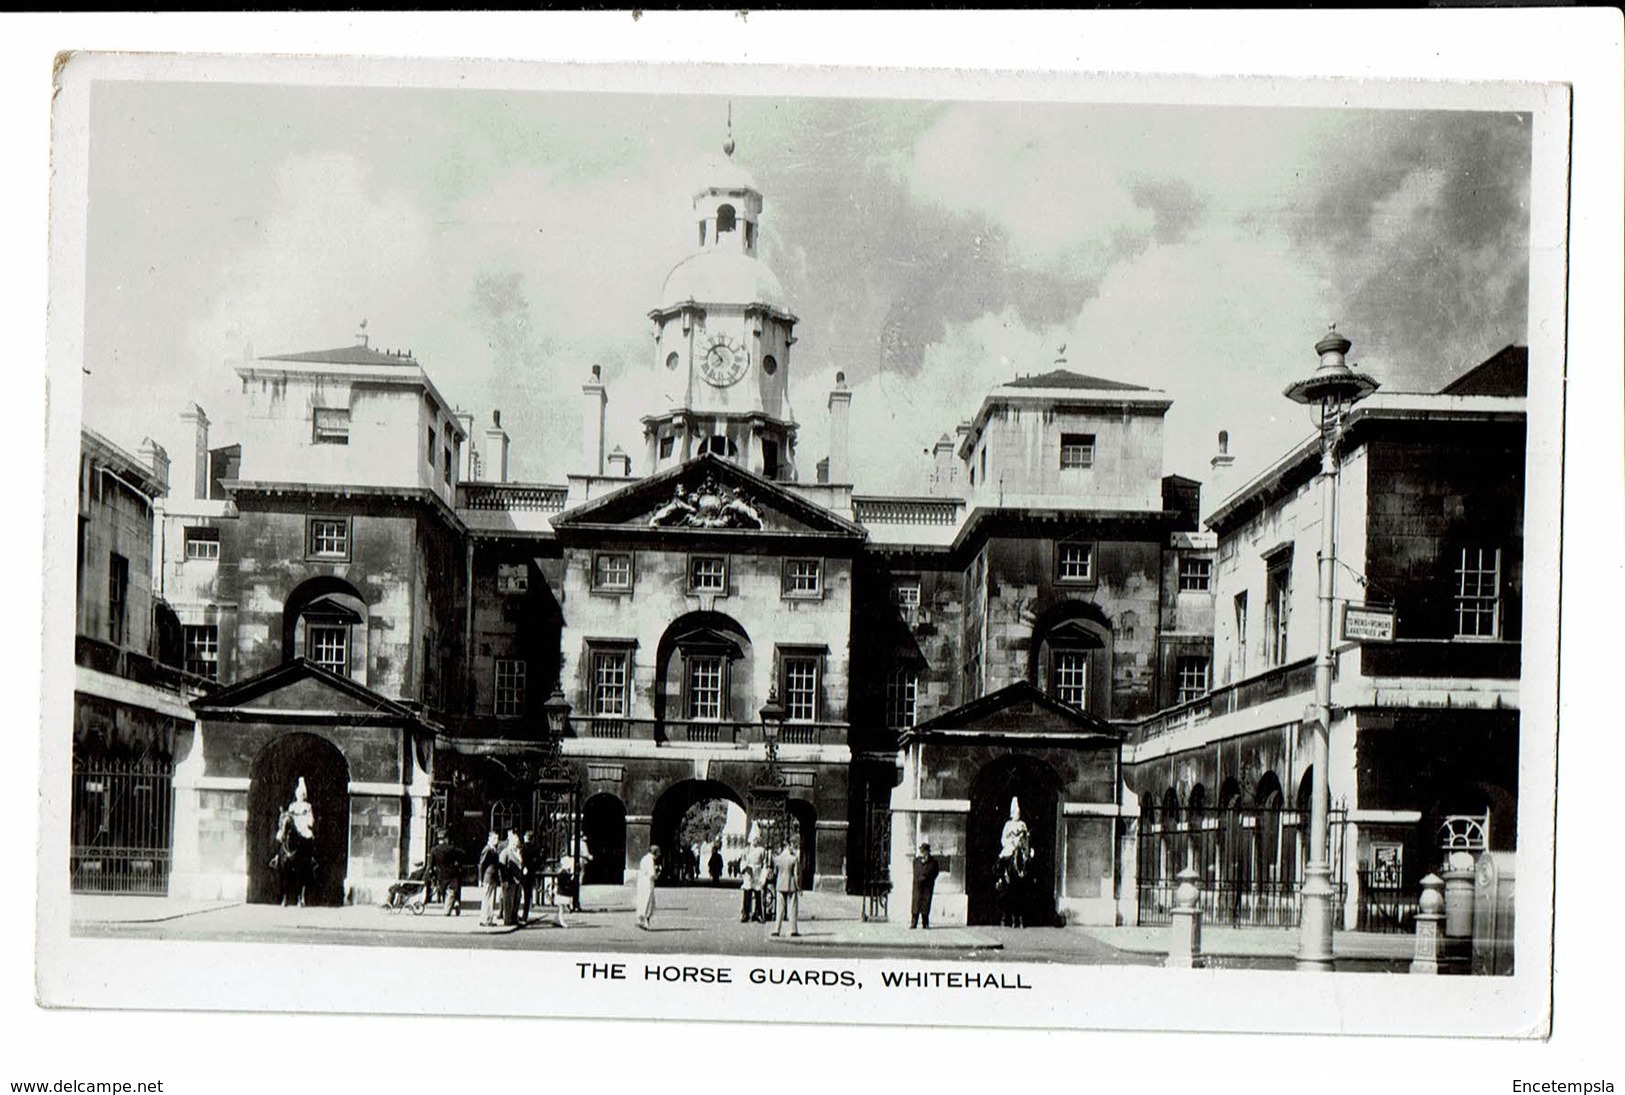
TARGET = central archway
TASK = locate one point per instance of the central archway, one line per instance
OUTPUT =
(272, 777)
(1038, 788)
(676, 801)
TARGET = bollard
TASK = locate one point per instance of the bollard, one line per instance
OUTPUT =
(1429, 914)
(1458, 896)
(1185, 929)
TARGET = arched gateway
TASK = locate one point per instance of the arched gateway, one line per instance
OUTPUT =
(676, 801)
(1035, 785)
(273, 777)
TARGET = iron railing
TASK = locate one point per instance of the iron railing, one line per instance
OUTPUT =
(123, 819)
(1250, 862)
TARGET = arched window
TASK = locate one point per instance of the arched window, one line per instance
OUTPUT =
(725, 219)
(697, 665)
(325, 622)
(506, 815)
(1073, 659)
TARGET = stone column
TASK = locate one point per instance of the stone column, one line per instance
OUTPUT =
(905, 826)
(186, 863)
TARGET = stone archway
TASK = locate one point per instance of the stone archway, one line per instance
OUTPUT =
(1038, 788)
(272, 777)
(674, 802)
(603, 830)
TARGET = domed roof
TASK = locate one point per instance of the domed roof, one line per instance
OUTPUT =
(721, 173)
(722, 277)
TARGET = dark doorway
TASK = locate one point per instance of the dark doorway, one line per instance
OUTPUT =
(673, 807)
(1037, 787)
(804, 820)
(272, 779)
(603, 830)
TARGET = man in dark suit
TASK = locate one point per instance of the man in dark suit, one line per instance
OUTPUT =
(925, 881)
(446, 874)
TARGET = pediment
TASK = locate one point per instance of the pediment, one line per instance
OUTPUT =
(299, 686)
(1019, 711)
(707, 494)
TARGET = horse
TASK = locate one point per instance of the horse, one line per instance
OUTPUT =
(294, 861)
(1010, 888)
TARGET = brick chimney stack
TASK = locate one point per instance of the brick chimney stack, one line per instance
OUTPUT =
(494, 465)
(200, 449)
(840, 424)
(596, 399)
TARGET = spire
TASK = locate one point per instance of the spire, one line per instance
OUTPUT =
(728, 144)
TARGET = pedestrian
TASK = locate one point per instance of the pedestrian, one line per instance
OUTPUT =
(648, 871)
(787, 868)
(446, 874)
(715, 866)
(925, 881)
(752, 871)
(532, 853)
(490, 875)
(512, 862)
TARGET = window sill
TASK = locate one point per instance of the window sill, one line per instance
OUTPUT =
(605, 591)
(801, 596)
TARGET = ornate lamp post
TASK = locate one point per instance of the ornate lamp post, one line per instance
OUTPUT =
(1333, 388)
(557, 809)
(769, 796)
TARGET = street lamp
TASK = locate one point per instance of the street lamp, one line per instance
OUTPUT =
(1333, 388)
(772, 725)
(557, 797)
(557, 709)
(769, 796)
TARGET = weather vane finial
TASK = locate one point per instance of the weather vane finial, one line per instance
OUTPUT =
(362, 334)
(728, 145)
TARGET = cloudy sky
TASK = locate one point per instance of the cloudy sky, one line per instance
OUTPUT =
(931, 250)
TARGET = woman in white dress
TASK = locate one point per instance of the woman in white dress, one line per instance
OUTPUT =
(648, 870)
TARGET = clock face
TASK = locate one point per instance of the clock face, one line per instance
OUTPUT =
(723, 361)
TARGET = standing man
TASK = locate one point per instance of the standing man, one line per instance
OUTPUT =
(787, 867)
(925, 881)
(532, 852)
(490, 875)
(446, 874)
(511, 861)
(648, 872)
(752, 872)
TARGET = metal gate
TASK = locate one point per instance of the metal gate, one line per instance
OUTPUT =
(876, 860)
(1250, 860)
(123, 817)
(555, 810)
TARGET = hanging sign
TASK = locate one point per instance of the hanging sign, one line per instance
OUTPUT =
(1367, 624)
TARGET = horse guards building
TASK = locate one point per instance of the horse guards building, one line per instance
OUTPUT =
(354, 593)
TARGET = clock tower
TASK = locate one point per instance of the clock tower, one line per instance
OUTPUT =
(723, 335)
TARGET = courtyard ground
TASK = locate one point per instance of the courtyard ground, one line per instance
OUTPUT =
(705, 920)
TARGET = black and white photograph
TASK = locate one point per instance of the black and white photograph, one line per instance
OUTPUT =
(996, 550)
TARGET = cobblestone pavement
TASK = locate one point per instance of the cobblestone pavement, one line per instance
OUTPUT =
(689, 920)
